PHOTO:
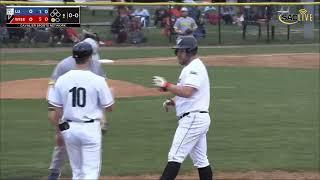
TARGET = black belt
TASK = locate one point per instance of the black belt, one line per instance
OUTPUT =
(90, 121)
(187, 113)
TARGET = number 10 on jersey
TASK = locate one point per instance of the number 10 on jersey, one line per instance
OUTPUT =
(78, 96)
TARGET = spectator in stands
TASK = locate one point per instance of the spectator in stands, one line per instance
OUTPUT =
(227, 14)
(185, 25)
(16, 34)
(3, 17)
(169, 20)
(136, 35)
(70, 35)
(87, 32)
(56, 35)
(211, 14)
(159, 15)
(143, 15)
(120, 26)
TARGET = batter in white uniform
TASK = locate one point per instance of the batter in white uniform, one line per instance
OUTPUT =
(192, 104)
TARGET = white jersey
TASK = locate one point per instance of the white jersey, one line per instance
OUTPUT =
(194, 75)
(82, 94)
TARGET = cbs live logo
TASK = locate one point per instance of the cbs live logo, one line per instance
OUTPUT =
(290, 19)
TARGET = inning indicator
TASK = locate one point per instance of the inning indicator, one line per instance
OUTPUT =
(43, 16)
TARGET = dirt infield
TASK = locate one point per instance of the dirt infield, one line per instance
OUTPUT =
(250, 175)
(293, 60)
(37, 89)
(288, 60)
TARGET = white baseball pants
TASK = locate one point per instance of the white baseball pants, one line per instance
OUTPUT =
(83, 143)
(190, 139)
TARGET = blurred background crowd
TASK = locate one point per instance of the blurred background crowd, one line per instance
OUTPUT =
(128, 24)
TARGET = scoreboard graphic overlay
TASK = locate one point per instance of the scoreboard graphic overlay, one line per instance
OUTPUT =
(43, 16)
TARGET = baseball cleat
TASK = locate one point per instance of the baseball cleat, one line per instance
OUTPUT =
(54, 176)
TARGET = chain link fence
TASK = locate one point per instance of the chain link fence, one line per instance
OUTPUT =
(155, 25)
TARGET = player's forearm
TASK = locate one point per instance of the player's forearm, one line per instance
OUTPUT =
(56, 117)
(181, 91)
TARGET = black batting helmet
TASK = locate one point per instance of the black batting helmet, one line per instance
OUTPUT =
(186, 42)
(82, 50)
(189, 43)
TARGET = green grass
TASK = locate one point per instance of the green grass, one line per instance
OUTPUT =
(16, 72)
(140, 52)
(262, 119)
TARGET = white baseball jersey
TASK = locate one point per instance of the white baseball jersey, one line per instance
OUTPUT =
(194, 75)
(191, 135)
(82, 94)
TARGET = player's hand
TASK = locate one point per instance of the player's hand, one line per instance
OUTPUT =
(104, 127)
(159, 82)
(167, 104)
(188, 31)
(59, 139)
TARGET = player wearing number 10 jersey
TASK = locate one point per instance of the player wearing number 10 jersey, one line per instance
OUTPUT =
(80, 98)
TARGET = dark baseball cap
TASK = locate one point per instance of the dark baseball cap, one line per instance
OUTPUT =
(82, 50)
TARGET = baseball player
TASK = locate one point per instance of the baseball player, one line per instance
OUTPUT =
(60, 154)
(191, 104)
(80, 98)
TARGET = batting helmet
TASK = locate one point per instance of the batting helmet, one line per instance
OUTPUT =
(82, 50)
(189, 43)
(186, 42)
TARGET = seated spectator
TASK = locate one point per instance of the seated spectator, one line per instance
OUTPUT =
(87, 32)
(227, 14)
(119, 28)
(239, 19)
(136, 35)
(36, 35)
(159, 15)
(3, 17)
(16, 34)
(211, 15)
(70, 35)
(185, 25)
(176, 12)
(168, 23)
(144, 16)
(4, 36)
(56, 35)
(200, 32)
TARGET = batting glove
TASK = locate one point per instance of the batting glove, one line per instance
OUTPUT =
(160, 82)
